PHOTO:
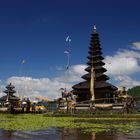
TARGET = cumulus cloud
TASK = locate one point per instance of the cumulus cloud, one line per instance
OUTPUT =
(124, 62)
(127, 81)
(73, 74)
(136, 45)
(28, 86)
(122, 66)
(50, 88)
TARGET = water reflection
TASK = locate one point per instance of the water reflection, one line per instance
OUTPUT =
(67, 134)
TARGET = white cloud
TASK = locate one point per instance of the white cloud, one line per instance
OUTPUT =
(27, 86)
(73, 74)
(127, 81)
(120, 66)
(136, 45)
(50, 88)
(124, 62)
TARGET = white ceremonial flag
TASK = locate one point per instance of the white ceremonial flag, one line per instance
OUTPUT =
(23, 61)
(66, 52)
(68, 39)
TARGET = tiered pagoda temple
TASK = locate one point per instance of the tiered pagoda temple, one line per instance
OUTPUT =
(10, 98)
(102, 89)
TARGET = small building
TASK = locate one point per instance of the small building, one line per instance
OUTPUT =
(9, 98)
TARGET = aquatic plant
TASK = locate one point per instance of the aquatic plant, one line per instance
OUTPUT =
(34, 122)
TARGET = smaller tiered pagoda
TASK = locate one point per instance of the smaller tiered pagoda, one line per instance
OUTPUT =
(9, 98)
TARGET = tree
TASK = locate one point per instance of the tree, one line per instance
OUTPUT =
(134, 92)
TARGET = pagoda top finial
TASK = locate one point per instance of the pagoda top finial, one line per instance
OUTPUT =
(94, 28)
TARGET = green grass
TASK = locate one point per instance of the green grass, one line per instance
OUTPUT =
(32, 122)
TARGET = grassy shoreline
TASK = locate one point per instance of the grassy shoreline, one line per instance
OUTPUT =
(94, 123)
(93, 115)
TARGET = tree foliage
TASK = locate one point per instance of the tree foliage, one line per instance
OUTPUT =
(134, 92)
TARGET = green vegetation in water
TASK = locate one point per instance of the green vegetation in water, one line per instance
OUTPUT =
(32, 122)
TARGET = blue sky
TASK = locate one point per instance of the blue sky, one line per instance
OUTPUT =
(35, 31)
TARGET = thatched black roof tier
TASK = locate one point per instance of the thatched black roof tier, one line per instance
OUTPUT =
(11, 97)
(10, 86)
(98, 84)
(10, 91)
(95, 64)
(95, 52)
(97, 77)
(98, 69)
(94, 43)
(95, 58)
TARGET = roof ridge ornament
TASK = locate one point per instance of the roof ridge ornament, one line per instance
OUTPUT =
(94, 28)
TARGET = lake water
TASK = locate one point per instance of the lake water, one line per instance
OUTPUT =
(68, 134)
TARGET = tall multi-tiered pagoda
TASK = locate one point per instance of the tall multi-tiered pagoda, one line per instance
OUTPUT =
(102, 89)
(10, 98)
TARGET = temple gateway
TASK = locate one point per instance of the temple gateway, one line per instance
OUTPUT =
(102, 89)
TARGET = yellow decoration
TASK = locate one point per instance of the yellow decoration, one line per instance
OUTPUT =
(92, 85)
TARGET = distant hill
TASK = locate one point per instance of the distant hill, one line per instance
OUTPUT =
(134, 92)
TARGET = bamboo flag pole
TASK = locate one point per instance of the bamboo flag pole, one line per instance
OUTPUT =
(92, 85)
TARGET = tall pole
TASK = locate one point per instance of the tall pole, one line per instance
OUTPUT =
(92, 84)
(21, 66)
(68, 40)
(92, 75)
(20, 75)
